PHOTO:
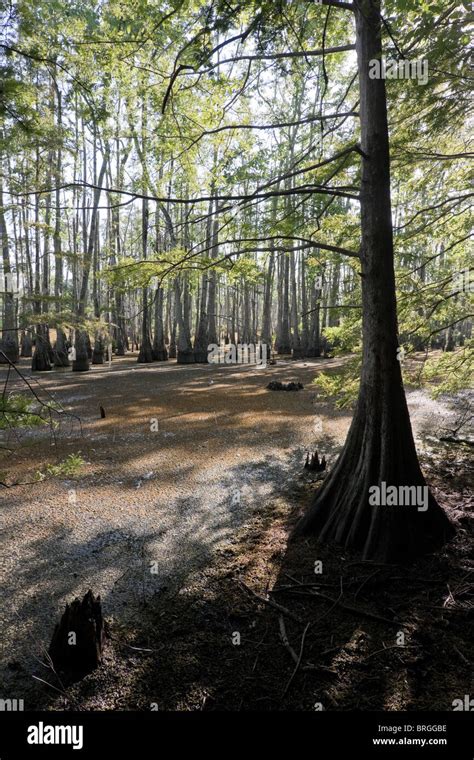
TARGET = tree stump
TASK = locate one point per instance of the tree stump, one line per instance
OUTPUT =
(78, 640)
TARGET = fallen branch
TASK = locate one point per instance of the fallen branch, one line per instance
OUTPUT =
(294, 656)
(271, 603)
(348, 607)
(298, 661)
(285, 640)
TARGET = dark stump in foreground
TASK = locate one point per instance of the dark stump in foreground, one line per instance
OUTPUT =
(78, 640)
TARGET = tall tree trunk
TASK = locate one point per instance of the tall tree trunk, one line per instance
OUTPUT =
(212, 288)
(267, 304)
(297, 351)
(160, 353)
(41, 357)
(9, 342)
(379, 446)
(60, 350)
(201, 340)
(146, 354)
(172, 323)
(83, 349)
(283, 342)
(185, 352)
(315, 334)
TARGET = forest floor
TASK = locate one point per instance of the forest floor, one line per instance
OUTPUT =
(183, 508)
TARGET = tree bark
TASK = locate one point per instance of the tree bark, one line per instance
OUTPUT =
(83, 349)
(9, 342)
(160, 353)
(380, 446)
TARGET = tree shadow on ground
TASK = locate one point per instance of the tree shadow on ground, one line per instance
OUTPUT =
(373, 637)
(194, 637)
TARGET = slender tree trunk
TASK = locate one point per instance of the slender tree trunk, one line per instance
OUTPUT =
(60, 350)
(267, 304)
(201, 341)
(41, 357)
(304, 309)
(212, 289)
(9, 342)
(83, 347)
(145, 355)
(160, 353)
(185, 353)
(283, 343)
(297, 351)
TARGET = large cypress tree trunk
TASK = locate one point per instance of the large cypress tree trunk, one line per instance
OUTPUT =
(380, 446)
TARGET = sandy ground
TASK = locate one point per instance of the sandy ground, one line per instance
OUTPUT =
(183, 458)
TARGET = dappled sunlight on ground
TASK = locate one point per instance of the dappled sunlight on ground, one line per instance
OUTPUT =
(185, 458)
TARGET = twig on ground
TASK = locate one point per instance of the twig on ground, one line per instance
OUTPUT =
(366, 581)
(385, 649)
(285, 639)
(270, 602)
(298, 662)
(37, 678)
(349, 607)
(294, 656)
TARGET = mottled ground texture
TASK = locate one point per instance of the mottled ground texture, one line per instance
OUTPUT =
(191, 484)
